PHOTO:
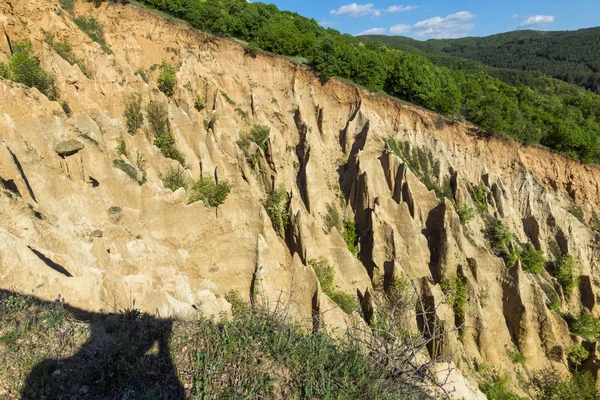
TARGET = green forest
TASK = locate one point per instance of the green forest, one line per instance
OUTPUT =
(571, 56)
(562, 117)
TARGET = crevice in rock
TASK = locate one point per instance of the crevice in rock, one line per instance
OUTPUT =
(294, 238)
(56, 267)
(532, 230)
(303, 154)
(430, 325)
(512, 305)
(351, 169)
(320, 119)
(316, 312)
(437, 239)
(366, 304)
(23, 176)
(562, 241)
(587, 292)
(407, 197)
(10, 48)
(94, 181)
(344, 132)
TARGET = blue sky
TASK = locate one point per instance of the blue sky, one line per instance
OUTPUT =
(446, 19)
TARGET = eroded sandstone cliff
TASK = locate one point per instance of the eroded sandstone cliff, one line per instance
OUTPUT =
(82, 228)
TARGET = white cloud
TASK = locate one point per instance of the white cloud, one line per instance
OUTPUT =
(453, 26)
(363, 10)
(537, 21)
(400, 29)
(326, 23)
(399, 9)
(357, 10)
(372, 31)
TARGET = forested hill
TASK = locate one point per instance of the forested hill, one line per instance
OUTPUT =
(571, 56)
(556, 116)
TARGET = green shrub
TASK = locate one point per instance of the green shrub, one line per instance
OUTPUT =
(516, 356)
(333, 218)
(174, 178)
(67, 5)
(565, 272)
(23, 67)
(277, 209)
(576, 354)
(209, 191)
(158, 121)
(587, 326)
(166, 80)
(114, 210)
(227, 98)
(551, 386)
(141, 72)
(93, 28)
(533, 260)
(326, 274)
(199, 102)
(496, 389)
(466, 214)
(121, 146)
(260, 135)
(480, 198)
(351, 237)
(500, 239)
(134, 118)
(128, 169)
(455, 289)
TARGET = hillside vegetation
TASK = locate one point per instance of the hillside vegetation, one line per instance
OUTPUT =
(571, 56)
(562, 120)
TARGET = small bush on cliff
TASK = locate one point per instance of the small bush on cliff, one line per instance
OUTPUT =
(466, 214)
(587, 326)
(212, 193)
(351, 237)
(277, 210)
(500, 239)
(158, 121)
(259, 135)
(550, 386)
(496, 388)
(134, 118)
(332, 218)
(455, 289)
(533, 260)
(94, 29)
(576, 354)
(173, 178)
(326, 274)
(166, 80)
(565, 272)
(23, 67)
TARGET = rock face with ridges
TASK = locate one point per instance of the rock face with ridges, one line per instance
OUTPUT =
(329, 148)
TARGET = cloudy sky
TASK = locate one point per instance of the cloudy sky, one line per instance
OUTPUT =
(446, 19)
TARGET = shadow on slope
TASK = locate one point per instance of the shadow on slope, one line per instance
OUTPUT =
(123, 356)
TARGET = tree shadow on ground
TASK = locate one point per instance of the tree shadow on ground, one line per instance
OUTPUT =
(125, 356)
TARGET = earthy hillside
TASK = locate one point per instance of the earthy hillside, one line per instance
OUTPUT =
(501, 241)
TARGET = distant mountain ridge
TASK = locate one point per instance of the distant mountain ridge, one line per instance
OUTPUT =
(571, 56)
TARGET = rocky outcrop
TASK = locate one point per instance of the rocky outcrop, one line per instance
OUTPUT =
(387, 166)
